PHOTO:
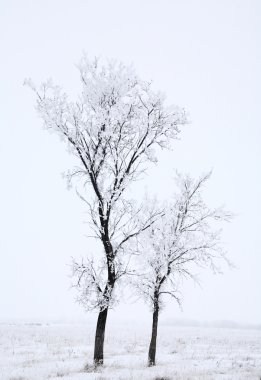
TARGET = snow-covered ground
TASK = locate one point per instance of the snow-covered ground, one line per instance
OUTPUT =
(55, 351)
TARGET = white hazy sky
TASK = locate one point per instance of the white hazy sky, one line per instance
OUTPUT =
(205, 55)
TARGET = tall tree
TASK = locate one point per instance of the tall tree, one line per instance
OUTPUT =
(184, 237)
(113, 129)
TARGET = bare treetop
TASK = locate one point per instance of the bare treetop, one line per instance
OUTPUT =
(113, 128)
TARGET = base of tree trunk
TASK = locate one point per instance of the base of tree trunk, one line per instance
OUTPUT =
(99, 338)
(151, 363)
(153, 342)
(97, 364)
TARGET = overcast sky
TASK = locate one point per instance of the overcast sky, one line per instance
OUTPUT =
(205, 55)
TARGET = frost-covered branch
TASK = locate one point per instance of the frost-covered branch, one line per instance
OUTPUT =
(182, 238)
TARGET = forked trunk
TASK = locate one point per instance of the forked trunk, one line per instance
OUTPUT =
(99, 337)
(153, 342)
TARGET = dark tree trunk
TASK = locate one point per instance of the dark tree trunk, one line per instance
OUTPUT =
(102, 317)
(99, 337)
(153, 341)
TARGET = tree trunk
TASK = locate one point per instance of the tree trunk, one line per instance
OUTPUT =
(99, 337)
(102, 317)
(153, 342)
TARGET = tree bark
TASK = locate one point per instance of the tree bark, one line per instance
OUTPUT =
(99, 337)
(102, 317)
(153, 342)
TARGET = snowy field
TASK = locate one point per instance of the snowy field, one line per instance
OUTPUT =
(55, 351)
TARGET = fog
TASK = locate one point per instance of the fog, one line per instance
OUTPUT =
(205, 56)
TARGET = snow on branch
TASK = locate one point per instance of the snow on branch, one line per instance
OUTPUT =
(183, 237)
(113, 127)
(90, 281)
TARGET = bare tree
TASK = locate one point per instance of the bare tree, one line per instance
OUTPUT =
(113, 129)
(182, 238)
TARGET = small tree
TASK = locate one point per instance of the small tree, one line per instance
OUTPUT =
(182, 238)
(113, 129)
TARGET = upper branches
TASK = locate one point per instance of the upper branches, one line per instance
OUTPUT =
(113, 127)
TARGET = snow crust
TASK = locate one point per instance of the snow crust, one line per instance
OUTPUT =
(55, 351)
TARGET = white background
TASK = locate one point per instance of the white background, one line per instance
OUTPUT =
(205, 55)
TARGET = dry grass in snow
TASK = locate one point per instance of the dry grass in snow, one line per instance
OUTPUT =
(64, 351)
